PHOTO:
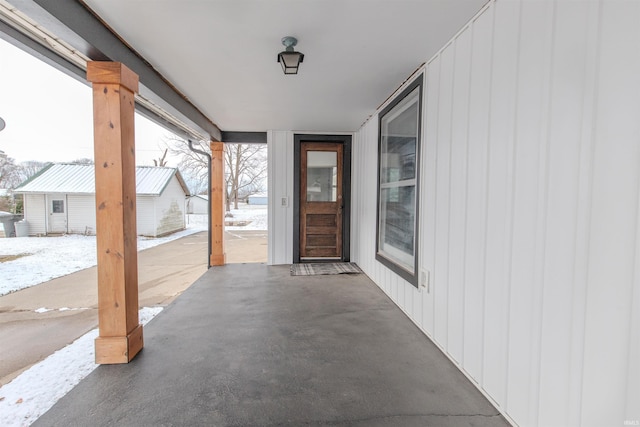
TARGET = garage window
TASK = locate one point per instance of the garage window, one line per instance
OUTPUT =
(398, 154)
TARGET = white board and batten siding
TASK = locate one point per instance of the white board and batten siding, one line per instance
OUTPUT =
(280, 189)
(529, 209)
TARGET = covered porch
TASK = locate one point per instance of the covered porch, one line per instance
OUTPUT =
(494, 197)
(249, 344)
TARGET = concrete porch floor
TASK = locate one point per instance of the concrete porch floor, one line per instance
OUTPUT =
(250, 345)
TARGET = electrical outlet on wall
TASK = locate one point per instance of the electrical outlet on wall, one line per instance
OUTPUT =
(284, 202)
(424, 280)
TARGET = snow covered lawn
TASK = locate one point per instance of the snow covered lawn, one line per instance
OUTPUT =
(45, 258)
(254, 215)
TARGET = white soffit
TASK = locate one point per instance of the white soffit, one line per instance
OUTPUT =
(221, 54)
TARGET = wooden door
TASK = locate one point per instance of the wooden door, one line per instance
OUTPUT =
(321, 200)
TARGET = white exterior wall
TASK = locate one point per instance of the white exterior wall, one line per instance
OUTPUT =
(146, 215)
(155, 215)
(197, 205)
(529, 209)
(35, 209)
(81, 214)
(170, 209)
(280, 184)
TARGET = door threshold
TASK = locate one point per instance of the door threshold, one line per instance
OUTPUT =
(322, 259)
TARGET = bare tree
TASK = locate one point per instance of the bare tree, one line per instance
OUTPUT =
(245, 171)
(82, 161)
(193, 166)
(245, 168)
(162, 160)
(9, 172)
(30, 168)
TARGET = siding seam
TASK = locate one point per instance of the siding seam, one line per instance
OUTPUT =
(450, 150)
(510, 214)
(435, 215)
(543, 206)
(587, 153)
(466, 197)
(635, 297)
(486, 199)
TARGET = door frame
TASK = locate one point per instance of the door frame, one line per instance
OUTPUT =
(49, 198)
(298, 139)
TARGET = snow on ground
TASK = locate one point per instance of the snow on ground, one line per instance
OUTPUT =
(32, 393)
(255, 215)
(46, 258)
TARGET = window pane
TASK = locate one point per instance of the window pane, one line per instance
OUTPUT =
(399, 140)
(57, 206)
(397, 223)
(322, 176)
(398, 186)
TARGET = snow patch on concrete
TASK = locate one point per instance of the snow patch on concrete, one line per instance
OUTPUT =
(36, 390)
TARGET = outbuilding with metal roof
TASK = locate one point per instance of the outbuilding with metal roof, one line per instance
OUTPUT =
(61, 199)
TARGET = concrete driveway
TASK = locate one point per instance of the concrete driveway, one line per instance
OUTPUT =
(71, 301)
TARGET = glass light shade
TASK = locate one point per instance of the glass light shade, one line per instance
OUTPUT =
(290, 61)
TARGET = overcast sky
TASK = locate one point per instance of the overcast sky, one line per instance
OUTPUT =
(48, 114)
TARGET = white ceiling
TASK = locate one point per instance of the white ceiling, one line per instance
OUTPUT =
(221, 54)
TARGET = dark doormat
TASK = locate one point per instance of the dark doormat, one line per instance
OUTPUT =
(325, 268)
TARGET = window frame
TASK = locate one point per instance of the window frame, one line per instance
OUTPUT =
(55, 207)
(386, 257)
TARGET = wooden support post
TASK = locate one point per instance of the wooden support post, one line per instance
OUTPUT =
(114, 86)
(218, 257)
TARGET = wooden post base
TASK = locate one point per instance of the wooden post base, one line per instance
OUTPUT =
(112, 350)
(218, 259)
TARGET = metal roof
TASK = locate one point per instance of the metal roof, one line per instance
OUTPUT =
(80, 179)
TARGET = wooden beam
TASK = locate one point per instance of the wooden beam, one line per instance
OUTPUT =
(73, 22)
(233, 137)
(114, 88)
(216, 198)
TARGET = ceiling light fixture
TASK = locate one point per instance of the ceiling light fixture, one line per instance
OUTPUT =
(288, 58)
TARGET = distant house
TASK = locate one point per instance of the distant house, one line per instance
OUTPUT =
(258, 199)
(61, 199)
(198, 204)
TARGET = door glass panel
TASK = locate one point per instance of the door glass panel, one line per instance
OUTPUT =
(57, 206)
(322, 176)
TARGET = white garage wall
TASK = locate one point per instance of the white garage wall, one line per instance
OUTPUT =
(529, 209)
(280, 185)
(35, 208)
(81, 214)
(169, 207)
(146, 215)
